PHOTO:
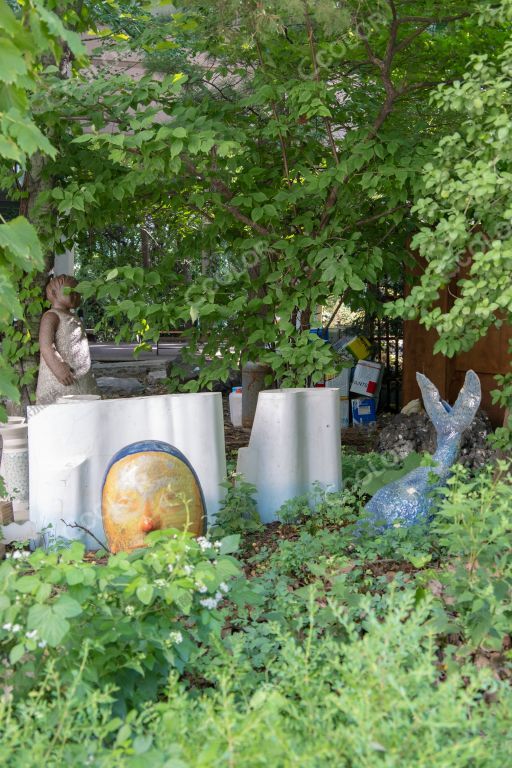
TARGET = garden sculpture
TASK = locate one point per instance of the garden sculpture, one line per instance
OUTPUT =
(65, 367)
(409, 500)
(150, 486)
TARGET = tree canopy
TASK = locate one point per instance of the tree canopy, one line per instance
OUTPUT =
(274, 154)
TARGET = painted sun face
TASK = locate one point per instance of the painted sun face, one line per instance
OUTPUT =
(148, 491)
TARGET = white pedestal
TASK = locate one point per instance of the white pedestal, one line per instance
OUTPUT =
(70, 447)
(295, 443)
(14, 464)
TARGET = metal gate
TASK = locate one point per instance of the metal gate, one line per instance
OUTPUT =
(387, 337)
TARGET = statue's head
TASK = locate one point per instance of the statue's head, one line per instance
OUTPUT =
(59, 292)
(149, 486)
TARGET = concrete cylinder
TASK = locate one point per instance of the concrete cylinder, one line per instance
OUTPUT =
(14, 463)
(253, 382)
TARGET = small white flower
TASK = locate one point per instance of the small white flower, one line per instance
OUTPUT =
(129, 610)
(201, 587)
(219, 596)
(209, 602)
(188, 569)
(7, 627)
(397, 525)
(204, 543)
(170, 567)
(42, 644)
(31, 635)
(223, 587)
(217, 544)
(176, 637)
(160, 583)
(16, 627)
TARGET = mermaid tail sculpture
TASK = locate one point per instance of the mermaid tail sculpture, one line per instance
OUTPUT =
(408, 501)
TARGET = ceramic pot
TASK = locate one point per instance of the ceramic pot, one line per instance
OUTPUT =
(14, 462)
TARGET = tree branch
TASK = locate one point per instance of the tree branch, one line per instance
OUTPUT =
(384, 66)
(312, 48)
(432, 19)
(88, 532)
(216, 185)
(408, 40)
(382, 214)
(338, 307)
(426, 84)
(282, 142)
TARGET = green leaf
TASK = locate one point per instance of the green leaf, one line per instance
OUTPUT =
(74, 553)
(58, 30)
(230, 544)
(8, 21)
(176, 148)
(67, 606)
(153, 278)
(51, 626)
(16, 653)
(145, 593)
(12, 63)
(26, 133)
(356, 283)
(83, 138)
(26, 584)
(376, 480)
(9, 150)
(19, 239)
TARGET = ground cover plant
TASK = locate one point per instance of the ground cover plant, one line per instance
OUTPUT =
(314, 644)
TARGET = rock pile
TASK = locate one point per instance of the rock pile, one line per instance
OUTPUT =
(403, 434)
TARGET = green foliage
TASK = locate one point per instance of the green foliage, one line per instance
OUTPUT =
(273, 204)
(24, 39)
(374, 701)
(334, 647)
(238, 513)
(463, 202)
(136, 618)
(475, 528)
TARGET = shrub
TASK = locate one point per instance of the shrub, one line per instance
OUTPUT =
(139, 615)
(379, 700)
(474, 526)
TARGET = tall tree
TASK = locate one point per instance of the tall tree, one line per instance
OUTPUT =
(284, 139)
(465, 206)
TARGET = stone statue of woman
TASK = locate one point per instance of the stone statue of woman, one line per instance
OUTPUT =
(65, 367)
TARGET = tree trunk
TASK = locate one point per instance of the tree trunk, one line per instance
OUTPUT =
(145, 247)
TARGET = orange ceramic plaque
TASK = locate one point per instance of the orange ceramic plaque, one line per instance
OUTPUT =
(149, 486)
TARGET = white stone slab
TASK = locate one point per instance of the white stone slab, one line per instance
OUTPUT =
(295, 443)
(71, 445)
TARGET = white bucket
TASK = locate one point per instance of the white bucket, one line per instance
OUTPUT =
(235, 406)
